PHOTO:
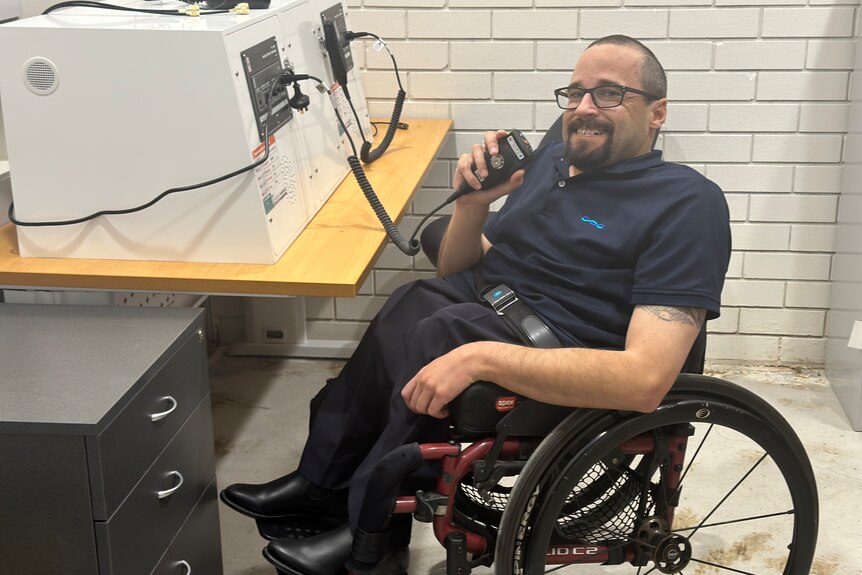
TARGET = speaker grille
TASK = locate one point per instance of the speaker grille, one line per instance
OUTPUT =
(40, 76)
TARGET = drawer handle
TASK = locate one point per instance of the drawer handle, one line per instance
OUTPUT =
(164, 414)
(172, 490)
(187, 568)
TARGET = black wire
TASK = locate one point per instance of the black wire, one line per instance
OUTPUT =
(253, 165)
(93, 4)
(353, 35)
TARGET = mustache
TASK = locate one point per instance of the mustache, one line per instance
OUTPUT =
(585, 124)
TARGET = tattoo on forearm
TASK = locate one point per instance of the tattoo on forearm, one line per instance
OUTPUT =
(689, 315)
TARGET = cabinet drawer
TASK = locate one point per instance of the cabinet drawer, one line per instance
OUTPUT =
(137, 535)
(196, 550)
(126, 448)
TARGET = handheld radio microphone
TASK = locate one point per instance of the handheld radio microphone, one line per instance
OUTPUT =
(514, 153)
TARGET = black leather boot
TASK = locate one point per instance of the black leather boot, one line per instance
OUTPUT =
(323, 554)
(291, 496)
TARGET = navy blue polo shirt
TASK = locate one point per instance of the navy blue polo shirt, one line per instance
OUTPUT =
(582, 251)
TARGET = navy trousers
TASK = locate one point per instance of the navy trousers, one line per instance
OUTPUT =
(359, 416)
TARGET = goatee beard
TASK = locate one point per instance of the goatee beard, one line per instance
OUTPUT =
(585, 158)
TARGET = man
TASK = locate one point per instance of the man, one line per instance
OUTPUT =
(622, 255)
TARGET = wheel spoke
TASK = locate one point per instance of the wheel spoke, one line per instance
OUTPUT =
(725, 567)
(744, 519)
(693, 457)
(729, 493)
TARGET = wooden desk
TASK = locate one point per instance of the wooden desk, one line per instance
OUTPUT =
(331, 257)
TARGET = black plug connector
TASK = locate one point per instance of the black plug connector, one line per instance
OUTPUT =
(298, 101)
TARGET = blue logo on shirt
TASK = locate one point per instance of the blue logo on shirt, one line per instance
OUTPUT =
(593, 222)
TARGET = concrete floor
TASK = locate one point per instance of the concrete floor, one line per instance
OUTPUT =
(261, 420)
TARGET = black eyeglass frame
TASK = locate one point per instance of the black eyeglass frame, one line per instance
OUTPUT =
(624, 89)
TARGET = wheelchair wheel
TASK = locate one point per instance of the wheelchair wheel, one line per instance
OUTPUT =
(713, 481)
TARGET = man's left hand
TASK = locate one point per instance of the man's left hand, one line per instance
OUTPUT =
(438, 383)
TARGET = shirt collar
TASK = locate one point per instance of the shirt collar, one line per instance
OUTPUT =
(642, 162)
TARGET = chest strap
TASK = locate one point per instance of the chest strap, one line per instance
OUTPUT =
(520, 318)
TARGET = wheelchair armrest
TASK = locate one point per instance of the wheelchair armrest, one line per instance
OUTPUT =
(485, 409)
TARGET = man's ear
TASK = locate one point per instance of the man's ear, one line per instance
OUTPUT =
(659, 114)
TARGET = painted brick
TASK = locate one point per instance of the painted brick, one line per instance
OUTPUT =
(641, 24)
(336, 330)
(403, 4)
(807, 294)
(320, 307)
(387, 24)
(817, 179)
(492, 55)
(783, 208)
(484, 3)
(422, 263)
(710, 86)
(428, 199)
(759, 2)
(683, 55)
(715, 23)
(478, 116)
(727, 322)
(761, 237)
(807, 22)
(782, 322)
(528, 86)
(367, 287)
(579, 4)
(559, 55)
(768, 55)
(358, 308)
(742, 347)
(450, 86)
(830, 54)
(446, 24)
(802, 86)
(696, 148)
(735, 266)
(660, 3)
(534, 23)
(753, 117)
(823, 118)
(546, 115)
(802, 350)
(392, 257)
(812, 238)
(751, 178)
(409, 55)
(686, 117)
(383, 109)
(387, 281)
(786, 266)
(737, 204)
(439, 175)
(380, 84)
(753, 293)
(797, 148)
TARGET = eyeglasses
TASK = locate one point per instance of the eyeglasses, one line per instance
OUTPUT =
(607, 96)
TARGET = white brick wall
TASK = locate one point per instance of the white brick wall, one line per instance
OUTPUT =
(759, 98)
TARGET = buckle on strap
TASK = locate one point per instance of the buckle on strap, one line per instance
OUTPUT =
(500, 297)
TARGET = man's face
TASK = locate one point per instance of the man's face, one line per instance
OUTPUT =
(598, 137)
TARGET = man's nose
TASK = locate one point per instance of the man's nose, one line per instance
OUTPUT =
(587, 105)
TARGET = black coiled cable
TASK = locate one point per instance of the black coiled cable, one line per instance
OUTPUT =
(366, 153)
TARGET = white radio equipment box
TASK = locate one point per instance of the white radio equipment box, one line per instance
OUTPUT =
(106, 110)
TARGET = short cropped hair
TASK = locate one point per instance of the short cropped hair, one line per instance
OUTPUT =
(653, 76)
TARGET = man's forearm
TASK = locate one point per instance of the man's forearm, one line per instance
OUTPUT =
(461, 247)
(574, 376)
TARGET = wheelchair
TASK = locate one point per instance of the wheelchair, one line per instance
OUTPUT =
(530, 488)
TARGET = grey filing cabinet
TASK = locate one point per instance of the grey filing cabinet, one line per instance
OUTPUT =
(106, 442)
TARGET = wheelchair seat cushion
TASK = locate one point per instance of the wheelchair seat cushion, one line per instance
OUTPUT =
(480, 407)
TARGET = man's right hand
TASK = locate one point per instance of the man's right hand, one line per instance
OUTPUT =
(464, 173)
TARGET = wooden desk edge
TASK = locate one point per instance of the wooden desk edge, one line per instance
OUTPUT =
(204, 278)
